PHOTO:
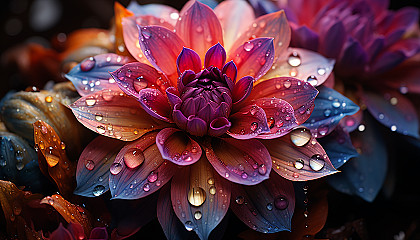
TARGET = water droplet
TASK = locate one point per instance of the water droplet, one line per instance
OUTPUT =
(327, 112)
(239, 200)
(146, 187)
(89, 164)
(87, 64)
(100, 129)
(115, 168)
(51, 159)
(108, 59)
(321, 71)
(393, 128)
(146, 34)
(98, 190)
(133, 157)
(278, 84)
(253, 110)
(287, 83)
(140, 84)
(394, 101)
(90, 102)
(227, 174)
(299, 164)
(20, 165)
(316, 162)
(312, 80)
(269, 206)
(199, 29)
(254, 126)
(271, 121)
(281, 203)
(294, 59)
(196, 196)
(300, 136)
(336, 103)
(210, 181)
(323, 129)
(248, 46)
(361, 127)
(48, 99)
(198, 215)
(403, 90)
(189, 225)
(244, 175)
(262, 169)
(98, 117)
(212, 190)
(152, 177)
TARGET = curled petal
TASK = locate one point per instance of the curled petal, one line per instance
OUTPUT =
(248, 122)
(133, 77)
(302, 64)
(156, 104)
(299, 94)
(139, 169)
(161, 47)
(199, 28)
(102, 112)
(91, 75)
(215, 56)
(200, 197)
(242, 89)
(254, 58)
(93, 166)
(219, 126)
(245, 162)
(172, 95)
(267, 207)
(330, 108)
(230, 70)
(297, 157)
(188, 60)
(177, 147)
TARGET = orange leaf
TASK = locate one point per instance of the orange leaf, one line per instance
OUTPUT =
(120, 13)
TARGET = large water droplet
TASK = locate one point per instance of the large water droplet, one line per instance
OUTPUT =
(316, 162)
(198, 215)
(287, 83)
(336, 103)
(98, 117)
(299, 164)
(239, 200)
(189, 225)
(248, 46)
(115, 168)
(294, 59)
(321, 71)
(300, 136)
(100, 129)
(51, 159)
(212, 190)
(87, 64)
(254, 126)
(146, 33)
(98, 190)
(146, 187)
(196, 196)
(133, 157)
(312, 80)
(271, 121)
(90, 101)
(140, 84)
(152, 177)
(281, 203)
(262, 169)
(89, 164)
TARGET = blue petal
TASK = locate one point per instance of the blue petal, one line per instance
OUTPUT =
(364, 175)
(211, 3)
(92, 74)
(338, 146)
(330, 108)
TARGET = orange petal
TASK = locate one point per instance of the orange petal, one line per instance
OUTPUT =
(120, 13)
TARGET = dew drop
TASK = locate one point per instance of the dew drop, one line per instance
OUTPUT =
(198, 215)
(133, 157)
(212, 190)
(312, 80)
(115, 168)
(269, 206)
(20, 165)
(98, 190)
(90, 102)
(196, 196)
(254, 126)
(287, 83)
(281, 203)
(316, 162)
(327, 112)
(140, 84)
(100, 129)
(87, 64)
(210, 181)
(48, 99)
(294, 59)
(321, 71)
(323, 129)
(189, 225)
(361, 127)
(146, 187)
(394, 101)
(248, 46)
(393, 128)
(239, 200)
(89, 165)
(336, 103)
(98, 117)
(278, 84)
(262, 169)
(199, 29)
(271, 122)
(244, 175)
(299, 164)
(146, 34)
(300, 136)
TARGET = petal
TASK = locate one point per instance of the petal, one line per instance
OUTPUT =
(393, 110)
(92, 74)
(120, 13)
(219, 126)
(302, 64)
(61, 233)
(267, 207)
(364, 175)
(133, 77)
(253, 58)
(177, 147)
(273, 25)
(230, 70)
(338, 147)
(93, 166)
(248, 122)
(304, 37)
(161, 47)
(173, 96)
(242, 89)
(234, 17)
(196, 126)
(280, 117)
(156, 104)
(139, 169)
(99, 233)
(200, 197)
(302, 162)
(104, 111)
(188, 60)
(215, 56)
(159, 11)
(199, 28)
(332, 38)
(76, 230)
(353, 58)
(245, 162)
(299, 94)
(330, 108)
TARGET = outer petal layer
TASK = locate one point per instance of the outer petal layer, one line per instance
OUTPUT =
(156, 104)
(248, 122)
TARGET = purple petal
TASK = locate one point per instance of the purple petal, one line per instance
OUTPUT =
(61, 233)
(92, 74)
(242, 89)
(188, 60)
(304, 37)
(215, 56)
(173, 96)
(267, 207)
(248, 122)
(219, 126)
(332, 38)
(156, 104)
(98, 233)
(230, 70)
(353, 58)
(196, 126)
(177, 147)
(245, 162)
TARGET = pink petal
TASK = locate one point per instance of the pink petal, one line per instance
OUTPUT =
(254, 58)
(133, 77)
(188, 60)
(273, 25)
(200, 197)
(199, 28)
(156, 104)
(61, 233)
(299, 157)
(219, 126)
(248, 122)
(161, 47)
(177, 147)
(302, 64)
(267, 207)
(242, 89)
(235, 17)
(128, 181)
(173, 96)
(245, 162)
(280, 117)
(215, 56)
(114, 114)
(94, 164)
(299, 94)
(131, 33)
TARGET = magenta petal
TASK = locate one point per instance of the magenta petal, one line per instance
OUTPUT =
(245, 162)
(248, 122)
(156, 104)
(267, 207)
(304, 37)
(280, 117)
(139, 169)
(230, 70)
(332, 39)
(215, 56)
(254, 58)
(172, 95)
(242, 89)
(177, 147)
(199, 28)
(299, 94)
(196, 126)
(98, 233)
(219, 126)
(61, 233)
(200, 197)
(188, 60)
(133, 77)
(179, 118)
